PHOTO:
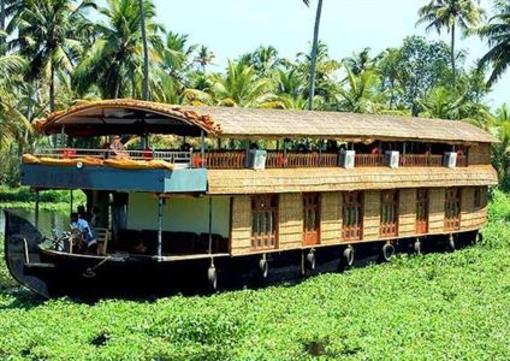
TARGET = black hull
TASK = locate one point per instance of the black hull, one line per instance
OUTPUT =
(54, 274)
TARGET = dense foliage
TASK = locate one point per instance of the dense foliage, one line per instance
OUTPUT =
(437, 306)
(58, 51)
(23, 197)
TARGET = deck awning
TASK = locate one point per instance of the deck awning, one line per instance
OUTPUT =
(125, 116)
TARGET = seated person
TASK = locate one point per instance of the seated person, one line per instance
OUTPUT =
(82, 213)
(82, 226)
(118, 148)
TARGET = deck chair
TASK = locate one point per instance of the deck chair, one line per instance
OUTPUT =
(102, 236)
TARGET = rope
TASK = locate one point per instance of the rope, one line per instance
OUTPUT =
(89, 272)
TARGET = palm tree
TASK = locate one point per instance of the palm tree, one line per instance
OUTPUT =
(47, 33)
(12, 124)
(145, 91)
(497, 34)
(439, 14)
(264, 60)
(326, 85)
(115, 62)
(313, 56)
(177, 57)
(501, 150)
(204, 57)
(361, 94)
(361, 61)
(240, 87)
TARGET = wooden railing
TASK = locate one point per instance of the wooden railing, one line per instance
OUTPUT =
(420, 160)
(172, 156)
(282, 159)
(368, 160)
(236, 159)
(229, 159)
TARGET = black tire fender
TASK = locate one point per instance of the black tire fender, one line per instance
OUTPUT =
(387, 252)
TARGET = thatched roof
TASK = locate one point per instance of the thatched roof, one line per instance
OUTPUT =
(133, 116)
(245, 181)
(126, 116)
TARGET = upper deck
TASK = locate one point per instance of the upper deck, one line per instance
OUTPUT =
(274, 142)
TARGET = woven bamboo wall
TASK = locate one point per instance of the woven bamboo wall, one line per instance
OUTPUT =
(291, 221)
(407, 213)
(436, 210)
(241, 225)
(372, 217)
(471, 216)
(331, 218)
(291, 217)
(479, 154)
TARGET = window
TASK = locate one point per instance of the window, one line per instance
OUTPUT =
(480, 198)
(352, 216)
(389, 213)
(452, 209)
(422, 211)
(264, 210)
(311, 218)
(477, 198)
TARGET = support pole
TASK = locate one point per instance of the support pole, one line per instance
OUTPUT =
(202, 147)
(210, 225)
(63, 142)
(160, 225)
(71, 200)
(37, 199)
(285, 152)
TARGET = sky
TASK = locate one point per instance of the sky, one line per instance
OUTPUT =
(233, 27)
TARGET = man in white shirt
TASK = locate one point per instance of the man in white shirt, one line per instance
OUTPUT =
(80, 224)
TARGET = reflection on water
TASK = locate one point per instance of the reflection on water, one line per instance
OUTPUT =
(48, 220)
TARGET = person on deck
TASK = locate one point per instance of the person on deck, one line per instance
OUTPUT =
(80, 224)
(118, 148)
(82, 213)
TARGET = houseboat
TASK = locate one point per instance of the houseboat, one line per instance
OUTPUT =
(251, 195)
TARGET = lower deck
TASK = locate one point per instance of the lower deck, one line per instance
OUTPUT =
(186, 227)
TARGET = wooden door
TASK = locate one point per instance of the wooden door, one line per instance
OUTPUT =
(422, 211)
(452, 209)
(311, 218)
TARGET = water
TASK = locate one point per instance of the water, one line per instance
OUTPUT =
(48, 220)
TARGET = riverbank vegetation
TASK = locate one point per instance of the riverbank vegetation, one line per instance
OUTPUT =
(57, 52)
(435, 306)
(51, 200)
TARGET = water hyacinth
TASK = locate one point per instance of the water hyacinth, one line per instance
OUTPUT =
(436, 306)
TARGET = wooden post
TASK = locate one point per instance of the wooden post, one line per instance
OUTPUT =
(71, 200)
(285, 153)
(37, 199)
(63, 142)
(210, 224)
(202, 147)
(160, 225)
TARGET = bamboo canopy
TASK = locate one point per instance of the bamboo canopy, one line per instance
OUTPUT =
(128, 116)
(245, 181)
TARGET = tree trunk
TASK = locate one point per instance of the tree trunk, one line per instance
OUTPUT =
(313, 60)
(454, 70)
(2, 14)
(3, 45)
(52, 87)
(54, 138)
(145, 90)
